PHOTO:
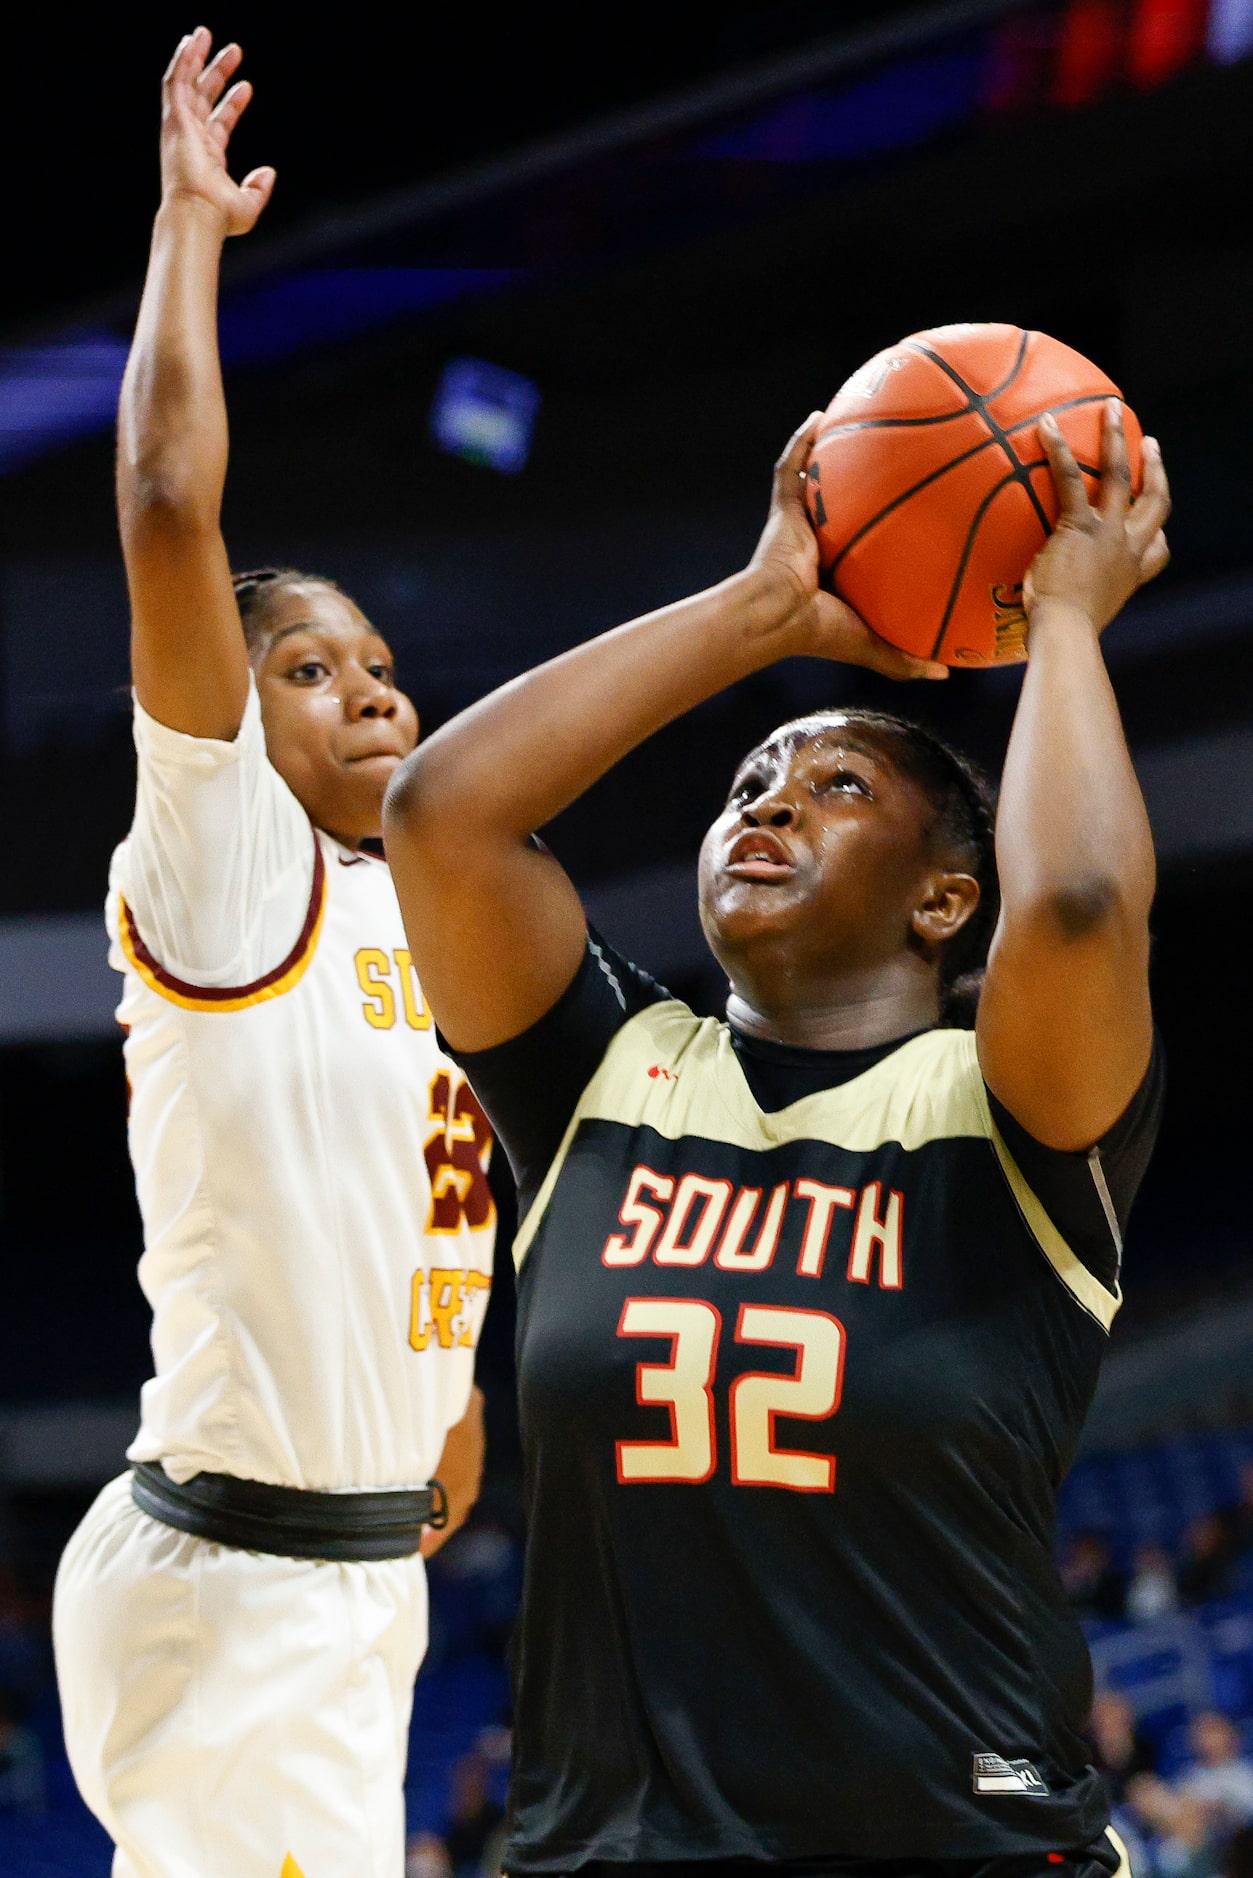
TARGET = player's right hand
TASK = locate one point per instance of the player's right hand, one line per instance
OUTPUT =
(824, 627)
(198, 114)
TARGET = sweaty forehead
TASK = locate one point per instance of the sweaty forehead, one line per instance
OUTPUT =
(825, 735)
(310, 605)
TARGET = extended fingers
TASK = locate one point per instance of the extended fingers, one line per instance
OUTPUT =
(796, 452)
(189, 56)
(232, 108)
(1151, 508)
(1072, 493)
(212, 81)
(878, 655)
(1115, 492)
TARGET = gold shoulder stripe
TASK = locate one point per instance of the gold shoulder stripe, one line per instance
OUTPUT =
(1124, 1861)
(1086, 1290)
(230, 997)
(678, 1074)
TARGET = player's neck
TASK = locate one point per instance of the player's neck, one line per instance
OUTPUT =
(852, 1016)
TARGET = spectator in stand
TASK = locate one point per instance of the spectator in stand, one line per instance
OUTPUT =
(1222, 1779)
(21, 1760)
(426, 1856)
(1093, 1584)
(473, 1837)
(1182, 1843)
(1153, 1591)
(1206, 1570)
(1119, 1749)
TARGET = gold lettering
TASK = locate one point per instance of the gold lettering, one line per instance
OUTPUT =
(373, 972)
(417, 1014)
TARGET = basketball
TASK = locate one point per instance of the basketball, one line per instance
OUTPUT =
(929, 489)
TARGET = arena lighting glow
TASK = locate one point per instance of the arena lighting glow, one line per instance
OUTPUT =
(50, 395)
(899, 105)
(54, 394)
(485, 414)
(1230, 33)
(659, 194)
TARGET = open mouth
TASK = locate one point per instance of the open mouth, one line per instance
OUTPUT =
(759, 855)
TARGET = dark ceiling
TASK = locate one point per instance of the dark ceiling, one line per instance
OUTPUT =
(386, 97)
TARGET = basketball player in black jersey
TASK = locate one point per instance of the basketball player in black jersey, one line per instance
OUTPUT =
(812, 1301)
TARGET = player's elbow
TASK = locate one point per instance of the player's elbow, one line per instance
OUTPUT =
(1084, 906)
(446, 803)
(1091, 905)
(417, 810)
(157, 498)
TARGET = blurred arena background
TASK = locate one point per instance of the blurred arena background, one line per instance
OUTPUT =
(510, 358)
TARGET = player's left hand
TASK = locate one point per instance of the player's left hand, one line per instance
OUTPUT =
(823, 627)
(1099, 553)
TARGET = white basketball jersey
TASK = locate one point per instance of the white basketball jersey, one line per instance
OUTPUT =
(311, 1168)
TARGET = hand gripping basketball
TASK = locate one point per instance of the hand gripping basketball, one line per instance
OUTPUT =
(930, 491)
(824, 627)
(1101, 551)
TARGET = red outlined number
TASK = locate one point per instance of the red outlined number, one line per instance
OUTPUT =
(811, 1393)
(684, 1386)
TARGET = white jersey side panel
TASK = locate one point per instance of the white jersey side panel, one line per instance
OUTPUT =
(311, 1169)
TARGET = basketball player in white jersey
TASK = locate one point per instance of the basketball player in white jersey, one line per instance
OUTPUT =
(240, 1618)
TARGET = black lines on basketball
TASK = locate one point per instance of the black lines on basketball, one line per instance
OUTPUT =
(890, 423)
(1051, 410)
(896, 502)
(979, 404)
(934, 561)
(964, 559)
(1015, 368)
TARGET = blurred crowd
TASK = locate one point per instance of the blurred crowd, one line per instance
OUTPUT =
(472, 1842)
(1214, 1561)
(1198, 1824)
(1189, 1814)
(25, 1682)
(1183, 1792)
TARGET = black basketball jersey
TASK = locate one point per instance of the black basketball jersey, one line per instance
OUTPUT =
(805, 1342)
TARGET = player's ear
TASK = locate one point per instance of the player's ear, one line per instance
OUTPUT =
(947, 902)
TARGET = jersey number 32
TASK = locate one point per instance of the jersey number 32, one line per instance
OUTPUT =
(684, 1386)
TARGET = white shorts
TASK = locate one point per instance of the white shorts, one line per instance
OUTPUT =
(233, 1715)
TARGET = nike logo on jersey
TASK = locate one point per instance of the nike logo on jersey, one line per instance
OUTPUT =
(993, 1774)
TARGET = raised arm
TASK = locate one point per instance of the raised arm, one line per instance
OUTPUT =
(188, 658)
(495, 926)
(1064, 1027)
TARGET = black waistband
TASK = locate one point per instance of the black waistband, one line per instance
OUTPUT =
(289, 1521)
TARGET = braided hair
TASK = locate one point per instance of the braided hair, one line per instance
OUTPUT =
(964, 801)
(257, 589)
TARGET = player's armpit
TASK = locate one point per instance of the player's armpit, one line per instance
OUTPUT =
(460, 1471)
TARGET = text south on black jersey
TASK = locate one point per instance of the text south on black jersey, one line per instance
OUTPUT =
(798, 1388)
